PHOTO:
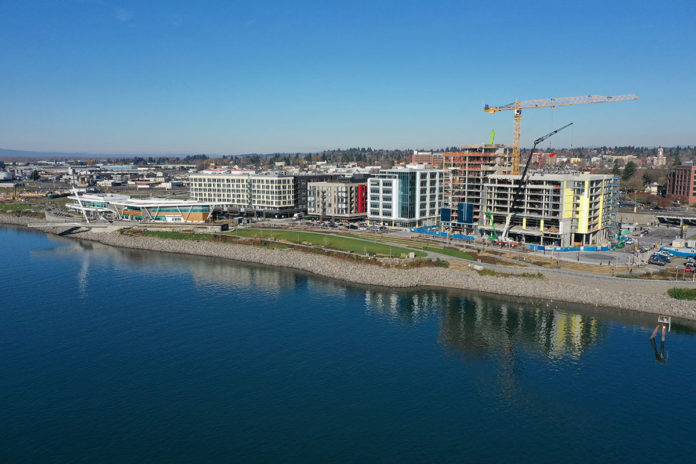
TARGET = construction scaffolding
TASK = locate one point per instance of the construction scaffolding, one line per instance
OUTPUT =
(612, 207)
(466, 172)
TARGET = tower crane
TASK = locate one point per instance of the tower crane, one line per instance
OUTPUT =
(518, 106)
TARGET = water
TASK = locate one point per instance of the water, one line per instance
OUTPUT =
(113, 355)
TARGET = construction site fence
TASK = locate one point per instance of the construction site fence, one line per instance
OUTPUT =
(429, 231)
(564, 249)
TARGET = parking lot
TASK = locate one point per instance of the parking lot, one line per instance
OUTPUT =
(644, 243)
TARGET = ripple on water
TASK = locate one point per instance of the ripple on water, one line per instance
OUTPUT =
(121, 355)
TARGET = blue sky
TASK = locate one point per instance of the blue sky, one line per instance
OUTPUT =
(231, 77)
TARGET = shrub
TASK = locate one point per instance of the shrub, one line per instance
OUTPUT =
(682, 293)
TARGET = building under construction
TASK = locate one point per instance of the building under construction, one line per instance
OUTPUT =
(466, 172)
(565, 209)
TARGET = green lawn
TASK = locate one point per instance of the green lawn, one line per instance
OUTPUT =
(450, 252)
(177, 235)
(444, 251)
(335, 242)
(14, 207)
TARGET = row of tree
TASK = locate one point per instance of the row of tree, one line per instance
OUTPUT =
(384, 157)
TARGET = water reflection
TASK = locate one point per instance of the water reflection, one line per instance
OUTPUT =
(206, 271)
(406, 306)
(469, 324)
(220, 272)
(660, 355)
(82, 276)
(477, 326)
(483, 328)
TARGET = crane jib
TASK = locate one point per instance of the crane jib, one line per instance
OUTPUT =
(518, 106)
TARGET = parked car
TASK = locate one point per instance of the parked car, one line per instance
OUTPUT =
(689, 267)
(665, 256)
(657, 260)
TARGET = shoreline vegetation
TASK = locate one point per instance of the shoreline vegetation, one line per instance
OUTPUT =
(338, 247)
(546, 285)
(682, 293)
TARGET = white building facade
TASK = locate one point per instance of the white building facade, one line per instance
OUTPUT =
(405, 197)
(245, 191)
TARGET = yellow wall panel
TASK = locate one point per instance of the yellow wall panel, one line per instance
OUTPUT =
(567, 201)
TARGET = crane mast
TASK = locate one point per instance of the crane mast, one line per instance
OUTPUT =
(518, 106)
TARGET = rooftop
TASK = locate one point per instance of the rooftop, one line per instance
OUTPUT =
(125, 200)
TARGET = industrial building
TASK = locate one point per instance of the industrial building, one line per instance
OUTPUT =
(337, 200)
(681, 183)
(123, 207)
(408, 196)
(554, 209)
(465, 173)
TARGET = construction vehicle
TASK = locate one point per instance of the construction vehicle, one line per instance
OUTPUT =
(522, 183)
(518, 106)
(493, 237)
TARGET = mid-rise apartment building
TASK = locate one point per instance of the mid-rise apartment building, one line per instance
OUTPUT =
(553, 209)
(275, 192)
(246, 192)
(681, 183)
(337, 200)
(405, 197)
(302, 182)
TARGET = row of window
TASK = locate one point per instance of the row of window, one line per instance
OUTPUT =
(208, 180)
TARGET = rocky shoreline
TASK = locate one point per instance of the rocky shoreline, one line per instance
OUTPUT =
(9, 219)
(645, 296)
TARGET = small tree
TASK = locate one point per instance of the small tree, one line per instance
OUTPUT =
(629, 170)
(616, 170)
(35, 175)
(634, 183)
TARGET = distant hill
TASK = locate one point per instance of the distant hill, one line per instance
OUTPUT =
(9, 153)
(5, 152)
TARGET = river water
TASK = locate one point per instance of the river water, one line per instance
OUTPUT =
(114, 355)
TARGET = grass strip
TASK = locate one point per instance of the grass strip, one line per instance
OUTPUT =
(450, 252)
(177, 235)
(336, 242)
(524, 275)
(15, 207)
(682, 293)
